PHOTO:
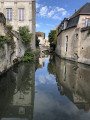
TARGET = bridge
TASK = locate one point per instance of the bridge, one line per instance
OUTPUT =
(44, 48)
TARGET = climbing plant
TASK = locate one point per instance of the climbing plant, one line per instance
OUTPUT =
(25, 34)
(4, 39)
(9, 27)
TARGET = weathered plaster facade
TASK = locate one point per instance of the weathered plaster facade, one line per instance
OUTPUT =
(29, 15)
(10, 52)
(41, 37)
(73, 42)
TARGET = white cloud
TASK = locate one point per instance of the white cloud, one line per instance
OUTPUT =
(50, 25)
(38, 5)
(64, 13)
(37, 25)
(53, 12)
(60, 9)
(43, 11)
(56, 17)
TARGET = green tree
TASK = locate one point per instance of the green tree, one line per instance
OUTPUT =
(53, 38)
(37, 41)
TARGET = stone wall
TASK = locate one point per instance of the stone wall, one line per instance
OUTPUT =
(76, 48)
(84, 48)
(10, 52)
(29, 7)
(74, 43)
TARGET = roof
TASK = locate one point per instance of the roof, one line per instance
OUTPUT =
(84, 10)
(40, 34)
(73, 22)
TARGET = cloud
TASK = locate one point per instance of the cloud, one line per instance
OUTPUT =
(53, 12)
(45, 79)
(50, 25)
(56, 17)
(37, 5)
(37, 25)
(43, 11)
(64, 13)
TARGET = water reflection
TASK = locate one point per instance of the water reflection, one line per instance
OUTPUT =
(17, 89)
(50, 89)
(73, 81)
(42, 60)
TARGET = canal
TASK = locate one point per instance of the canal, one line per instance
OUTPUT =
(48, 89)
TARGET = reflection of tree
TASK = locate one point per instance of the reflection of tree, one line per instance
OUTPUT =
(7, 87)
(25, 77)
(17, 89)
(25, 86)
(52, 66)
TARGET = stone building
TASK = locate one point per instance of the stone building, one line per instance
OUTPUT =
(41, 37)
(47, 43)
(12, 50)
(20, 13)
(73, 41)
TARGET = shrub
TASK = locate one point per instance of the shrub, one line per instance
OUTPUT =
(30, 55)
(9, 27)
(4, 39)
(25, 35)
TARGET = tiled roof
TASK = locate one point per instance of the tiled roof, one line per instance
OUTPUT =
(40, 34)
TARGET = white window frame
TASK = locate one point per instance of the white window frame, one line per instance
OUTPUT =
(21, 14)
(87, 22)
(9, 14)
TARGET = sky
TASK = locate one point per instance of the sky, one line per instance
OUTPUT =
(52, 12)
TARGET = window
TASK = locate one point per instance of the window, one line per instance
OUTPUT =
(87, 22)
(66, 43)
(9, 14)
(21, 14)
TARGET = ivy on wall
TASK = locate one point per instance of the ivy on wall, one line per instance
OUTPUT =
(25, 34)
(4, 39)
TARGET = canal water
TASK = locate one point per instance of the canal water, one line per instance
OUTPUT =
(48, 89)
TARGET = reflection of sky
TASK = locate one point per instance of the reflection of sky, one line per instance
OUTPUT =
(43, 76)
(49, 104)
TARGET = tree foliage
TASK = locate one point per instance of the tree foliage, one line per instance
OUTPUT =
(25, 35)
(4, 39)
(37, 41)
(53, 38)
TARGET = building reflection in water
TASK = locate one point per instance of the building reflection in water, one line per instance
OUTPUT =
(17, 89)
(73, 81)
(42, 60)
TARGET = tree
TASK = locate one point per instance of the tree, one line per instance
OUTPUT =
(37, 41)
(53, 38)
